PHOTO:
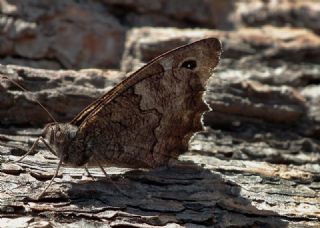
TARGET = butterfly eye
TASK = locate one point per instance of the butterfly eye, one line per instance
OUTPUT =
(189, 64)
(58, 134)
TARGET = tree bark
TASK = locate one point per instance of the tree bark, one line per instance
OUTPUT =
(240, 177)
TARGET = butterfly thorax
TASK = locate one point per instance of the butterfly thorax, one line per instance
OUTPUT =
(61, 138)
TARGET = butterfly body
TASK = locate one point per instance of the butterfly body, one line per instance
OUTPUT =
(147, 119)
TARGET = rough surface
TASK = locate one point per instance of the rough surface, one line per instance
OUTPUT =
(54, 34)
(69, 35)
(295, 13)
(249, 168)
(64, 93)
(255, 165)
(177, 13)
(211, 192)
(265, 46)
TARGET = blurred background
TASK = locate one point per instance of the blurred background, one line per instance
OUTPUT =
(59, 34)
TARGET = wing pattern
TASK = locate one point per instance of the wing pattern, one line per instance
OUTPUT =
(149, 119)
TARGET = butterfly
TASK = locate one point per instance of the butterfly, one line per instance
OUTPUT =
(146, 120)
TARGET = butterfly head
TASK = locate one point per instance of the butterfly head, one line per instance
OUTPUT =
(59, 136)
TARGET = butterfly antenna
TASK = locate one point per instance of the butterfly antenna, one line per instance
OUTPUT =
(36, 100)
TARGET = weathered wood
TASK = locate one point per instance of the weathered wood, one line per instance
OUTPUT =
(64, 93)
(212, 191)
(262, 173)
(256, 164)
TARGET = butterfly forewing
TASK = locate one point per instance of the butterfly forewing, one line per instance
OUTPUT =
(149, 118)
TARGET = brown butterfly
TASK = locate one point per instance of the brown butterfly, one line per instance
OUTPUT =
(146, 120)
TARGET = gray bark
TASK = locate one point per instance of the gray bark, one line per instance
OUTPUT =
(259, 173)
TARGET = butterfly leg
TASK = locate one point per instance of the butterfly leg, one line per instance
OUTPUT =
(54, 176)
(88, 173)
(58, 167)
(108, 177)
(31, 149)
(48, 146)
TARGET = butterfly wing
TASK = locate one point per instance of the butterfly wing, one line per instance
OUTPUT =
(149, 118)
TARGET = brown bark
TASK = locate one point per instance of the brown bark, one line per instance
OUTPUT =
(262, 173)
